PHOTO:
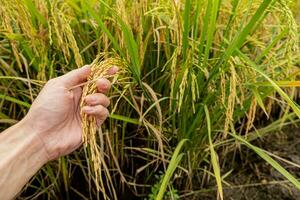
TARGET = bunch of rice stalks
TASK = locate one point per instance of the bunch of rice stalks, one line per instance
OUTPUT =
(99, 69)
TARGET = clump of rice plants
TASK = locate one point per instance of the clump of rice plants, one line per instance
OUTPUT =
(216, 73)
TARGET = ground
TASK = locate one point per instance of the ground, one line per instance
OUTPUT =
(253, 179)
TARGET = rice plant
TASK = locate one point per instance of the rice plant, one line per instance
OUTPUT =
(204, 76)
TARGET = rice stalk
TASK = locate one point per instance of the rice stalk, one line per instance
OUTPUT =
(99, 69)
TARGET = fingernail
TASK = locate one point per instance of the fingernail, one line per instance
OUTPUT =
(99, 122)
(113, 69)
(86, 66)
(103, 83)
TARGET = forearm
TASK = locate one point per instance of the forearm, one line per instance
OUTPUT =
(21, 156)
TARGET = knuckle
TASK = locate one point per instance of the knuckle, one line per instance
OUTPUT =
(100, 109)
(105, 112)
(104, 100)
(108, 83)
(104, 84)
(107, 101)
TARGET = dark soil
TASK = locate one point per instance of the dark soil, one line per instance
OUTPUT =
(253, 179)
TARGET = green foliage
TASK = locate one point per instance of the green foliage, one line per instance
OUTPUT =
(174, 162)
(270, 160)
(171, 194)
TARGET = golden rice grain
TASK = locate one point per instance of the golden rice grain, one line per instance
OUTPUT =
(99, 69)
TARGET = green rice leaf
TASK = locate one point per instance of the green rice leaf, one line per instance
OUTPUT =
(175, 160)
(213, 155)
(124, 118)
(14, 100)
(259, 100)
(268, 159)
(240, 37)
(290, 102)
(186, 30)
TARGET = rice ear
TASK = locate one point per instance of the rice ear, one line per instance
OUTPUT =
(99, 69)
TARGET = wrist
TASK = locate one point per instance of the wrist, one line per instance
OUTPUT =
(22, 155)
(32, 140)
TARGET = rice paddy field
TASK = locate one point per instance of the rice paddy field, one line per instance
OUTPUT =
(208, 89)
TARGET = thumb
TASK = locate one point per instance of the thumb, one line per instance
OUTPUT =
(76, 76)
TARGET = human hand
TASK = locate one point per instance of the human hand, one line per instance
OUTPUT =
(55, 114)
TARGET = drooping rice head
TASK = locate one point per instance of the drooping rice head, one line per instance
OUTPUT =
(99, 69)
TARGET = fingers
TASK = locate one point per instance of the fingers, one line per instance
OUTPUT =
(103, 85)
(96, 106)
(99, 112)
(97, 103)
(97, 99)
(80, 75)
(76, 76)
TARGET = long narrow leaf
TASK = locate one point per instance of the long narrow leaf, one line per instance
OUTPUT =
(175, 160)
(268, 159)
(213, 155)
